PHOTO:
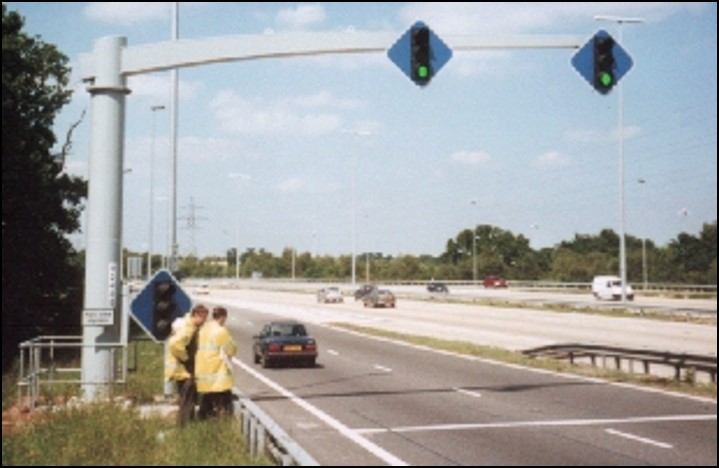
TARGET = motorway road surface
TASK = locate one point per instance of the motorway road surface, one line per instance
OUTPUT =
(375, 402)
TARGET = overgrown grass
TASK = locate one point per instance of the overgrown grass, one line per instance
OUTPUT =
(512, 357)
(106, 435)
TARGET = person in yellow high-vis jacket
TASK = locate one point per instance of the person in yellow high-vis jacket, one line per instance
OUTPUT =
(213, 366)
(180, 363)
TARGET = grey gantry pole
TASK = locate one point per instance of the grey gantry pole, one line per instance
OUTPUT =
(104, 218)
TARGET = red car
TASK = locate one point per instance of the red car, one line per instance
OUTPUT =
(494, 282)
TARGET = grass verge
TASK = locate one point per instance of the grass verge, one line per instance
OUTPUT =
(107, 434)
(512, 357)
(104, 435)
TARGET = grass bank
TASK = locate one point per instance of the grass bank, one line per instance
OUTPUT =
(107, 434)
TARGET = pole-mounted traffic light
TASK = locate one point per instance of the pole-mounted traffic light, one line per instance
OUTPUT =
(604, 63)
(163, 309)
(421, 53)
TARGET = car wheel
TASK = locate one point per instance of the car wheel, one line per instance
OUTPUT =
(311, 363)
(255, 357)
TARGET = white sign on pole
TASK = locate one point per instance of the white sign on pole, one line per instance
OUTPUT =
(98, 317)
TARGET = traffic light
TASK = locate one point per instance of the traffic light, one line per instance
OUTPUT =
(604, 63)
(421, 68)
(163, 309)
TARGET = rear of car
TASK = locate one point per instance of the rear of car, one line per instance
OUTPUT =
(330, 295)
(285, 342)
(380, 298)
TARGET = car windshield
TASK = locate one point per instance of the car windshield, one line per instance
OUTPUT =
(288, 329)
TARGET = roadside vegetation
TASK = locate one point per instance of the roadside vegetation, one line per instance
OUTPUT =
(72, 434)
(513, 357)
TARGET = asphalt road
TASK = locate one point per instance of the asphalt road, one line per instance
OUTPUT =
(374, 402)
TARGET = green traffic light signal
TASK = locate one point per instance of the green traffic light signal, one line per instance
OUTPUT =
(604, 63)
(420, 54)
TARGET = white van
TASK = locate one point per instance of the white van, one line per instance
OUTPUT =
(610, 288)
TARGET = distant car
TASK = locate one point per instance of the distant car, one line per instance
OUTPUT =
(494, 282)
(437, 287)
(201, 289)
(331, 294)
(284, 342)
(364, 290)
(379, 298)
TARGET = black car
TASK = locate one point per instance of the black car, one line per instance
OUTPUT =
(364, 290)
(437, 287)
(284, 342)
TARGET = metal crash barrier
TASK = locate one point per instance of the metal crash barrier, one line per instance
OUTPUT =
(264, 437)
(691, 364)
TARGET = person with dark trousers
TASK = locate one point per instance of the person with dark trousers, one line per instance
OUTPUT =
(213, 366)
(180, 364)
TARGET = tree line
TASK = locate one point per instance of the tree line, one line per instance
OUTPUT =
(686, 259)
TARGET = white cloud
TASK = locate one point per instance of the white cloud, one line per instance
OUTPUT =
(551, 159)
(157, 87)
(527, 17)
(127, 13)
(596, 136)
(302, 17)
(298, 184)
(307, 115)
(471, 158)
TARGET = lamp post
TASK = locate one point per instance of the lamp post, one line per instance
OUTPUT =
(622, 214)
(363, 133)
(474, 247)
(645, 271)
(154, 110)
(240, 177)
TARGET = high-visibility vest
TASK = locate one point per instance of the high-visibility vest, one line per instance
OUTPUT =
(213, 369)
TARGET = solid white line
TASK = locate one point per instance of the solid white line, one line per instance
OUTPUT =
(556, 423)
(333, 352)
(468, 393)
(382, 368)
(350, 434)
(636, 438)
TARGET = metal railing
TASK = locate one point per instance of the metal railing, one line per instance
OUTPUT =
(689, 363)
(264, 437)
(54, 360)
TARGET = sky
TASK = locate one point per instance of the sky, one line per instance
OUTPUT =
(270, 150)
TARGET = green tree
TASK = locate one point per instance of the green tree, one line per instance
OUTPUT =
(40, 203)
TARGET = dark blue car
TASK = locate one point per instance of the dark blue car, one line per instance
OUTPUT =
(283, 342)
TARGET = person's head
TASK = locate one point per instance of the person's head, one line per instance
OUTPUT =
(199, 314)
(219, 314)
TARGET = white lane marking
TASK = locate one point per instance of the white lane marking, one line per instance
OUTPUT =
(382, 368)
(333, 352)
(520, 367)
(636, 438)
(468, 392)
(249, 323)
(350, 434)
(557, 423)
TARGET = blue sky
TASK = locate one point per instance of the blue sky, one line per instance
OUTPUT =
(519, 132)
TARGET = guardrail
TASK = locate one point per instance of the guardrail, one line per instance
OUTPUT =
(41, 365)
(264, 437)
(678, 361)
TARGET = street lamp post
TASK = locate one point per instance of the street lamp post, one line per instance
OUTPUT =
(239, 176)
(362, 133)
(622, 214)
(474, 247)
(645, 272)
(154, 110)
